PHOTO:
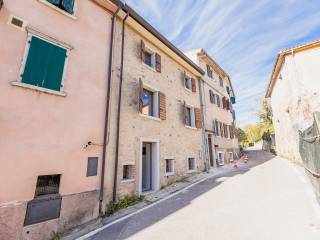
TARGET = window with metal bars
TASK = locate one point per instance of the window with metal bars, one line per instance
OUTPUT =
(48, 184)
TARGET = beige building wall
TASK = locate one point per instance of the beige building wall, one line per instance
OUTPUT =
(171, 137)
(213, 112)
(43, 133)
(294, 99)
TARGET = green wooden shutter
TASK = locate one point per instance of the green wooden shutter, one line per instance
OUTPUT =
(44, 65)
(55, 2)
(68, 5)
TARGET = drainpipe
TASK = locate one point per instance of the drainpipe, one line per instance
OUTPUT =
(204, 138)
(106, 121)
(114, 195)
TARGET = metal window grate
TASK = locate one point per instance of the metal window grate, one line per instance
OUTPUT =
(48, 184)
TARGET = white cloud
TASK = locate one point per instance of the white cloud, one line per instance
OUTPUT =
(243, 36)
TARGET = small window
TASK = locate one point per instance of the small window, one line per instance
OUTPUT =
(127, 172)
(220, 82)
(188, 83)
(169, 166)
(65, 5)
(147, 106)
(45, 64)
(148, 59)
(218, 100)
(92, 166)
(48, 184)
(191, 164)
(220, 158)
(190, 117)
(231, 156)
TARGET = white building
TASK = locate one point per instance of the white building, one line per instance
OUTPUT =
(294, 92)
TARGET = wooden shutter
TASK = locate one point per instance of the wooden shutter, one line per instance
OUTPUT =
(217, 127)
(193, 83)
(142, 50)
(44, 65)
(162, 106)
(218, 100)
(158, 62)
(214, 98)
(211, 96)
(54, 1)
(140, 95)
(68, 5)
(227, 104)
(183, 78)
(221, 129)
(208, 70)
(184, 113)
(197, 113)
(223, 102)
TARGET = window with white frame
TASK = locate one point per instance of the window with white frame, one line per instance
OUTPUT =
(190, 116)
(151, 101)
(191, 164)
(127, 172)
(44, 64)
(150, 58)
(188, 83)
(65, 5)
(220, 158)
(230, 156)
(169, 164)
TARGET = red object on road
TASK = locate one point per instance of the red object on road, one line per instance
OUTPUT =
(246, 158)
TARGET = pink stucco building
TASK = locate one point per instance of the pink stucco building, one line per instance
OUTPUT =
(54, 59)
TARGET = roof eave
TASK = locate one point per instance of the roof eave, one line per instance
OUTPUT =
(159, 36)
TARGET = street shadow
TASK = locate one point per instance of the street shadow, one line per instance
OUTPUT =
(144, 219)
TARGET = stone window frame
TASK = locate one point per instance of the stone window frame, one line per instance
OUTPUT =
(172, 160)
(221, 163)
(155, 101)
(194, 164)
(72, 16)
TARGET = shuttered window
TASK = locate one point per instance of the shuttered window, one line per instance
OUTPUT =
(150, 58)
(44, 64)
(211, 96)
(151, 103)
(218, 100)
(66, 5)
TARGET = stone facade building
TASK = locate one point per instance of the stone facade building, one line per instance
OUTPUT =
(294, 95)
(160, 123)
(219, 117)
(53, 68)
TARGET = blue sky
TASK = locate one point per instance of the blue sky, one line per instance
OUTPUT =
(243, 36)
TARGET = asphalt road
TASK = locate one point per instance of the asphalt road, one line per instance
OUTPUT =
(269, 199)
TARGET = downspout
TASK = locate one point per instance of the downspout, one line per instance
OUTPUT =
(106, 121)
(114, 195)
(204, 138)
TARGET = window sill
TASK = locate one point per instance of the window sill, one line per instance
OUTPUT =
(151, 68)
(188, 90)
(150, 117)
(169, 174)
(192, 171)
(40, 89)
(193, 128)
(58, 9)
(127, 180)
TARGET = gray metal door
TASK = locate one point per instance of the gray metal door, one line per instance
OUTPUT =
(146, 167)
(210, 151)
